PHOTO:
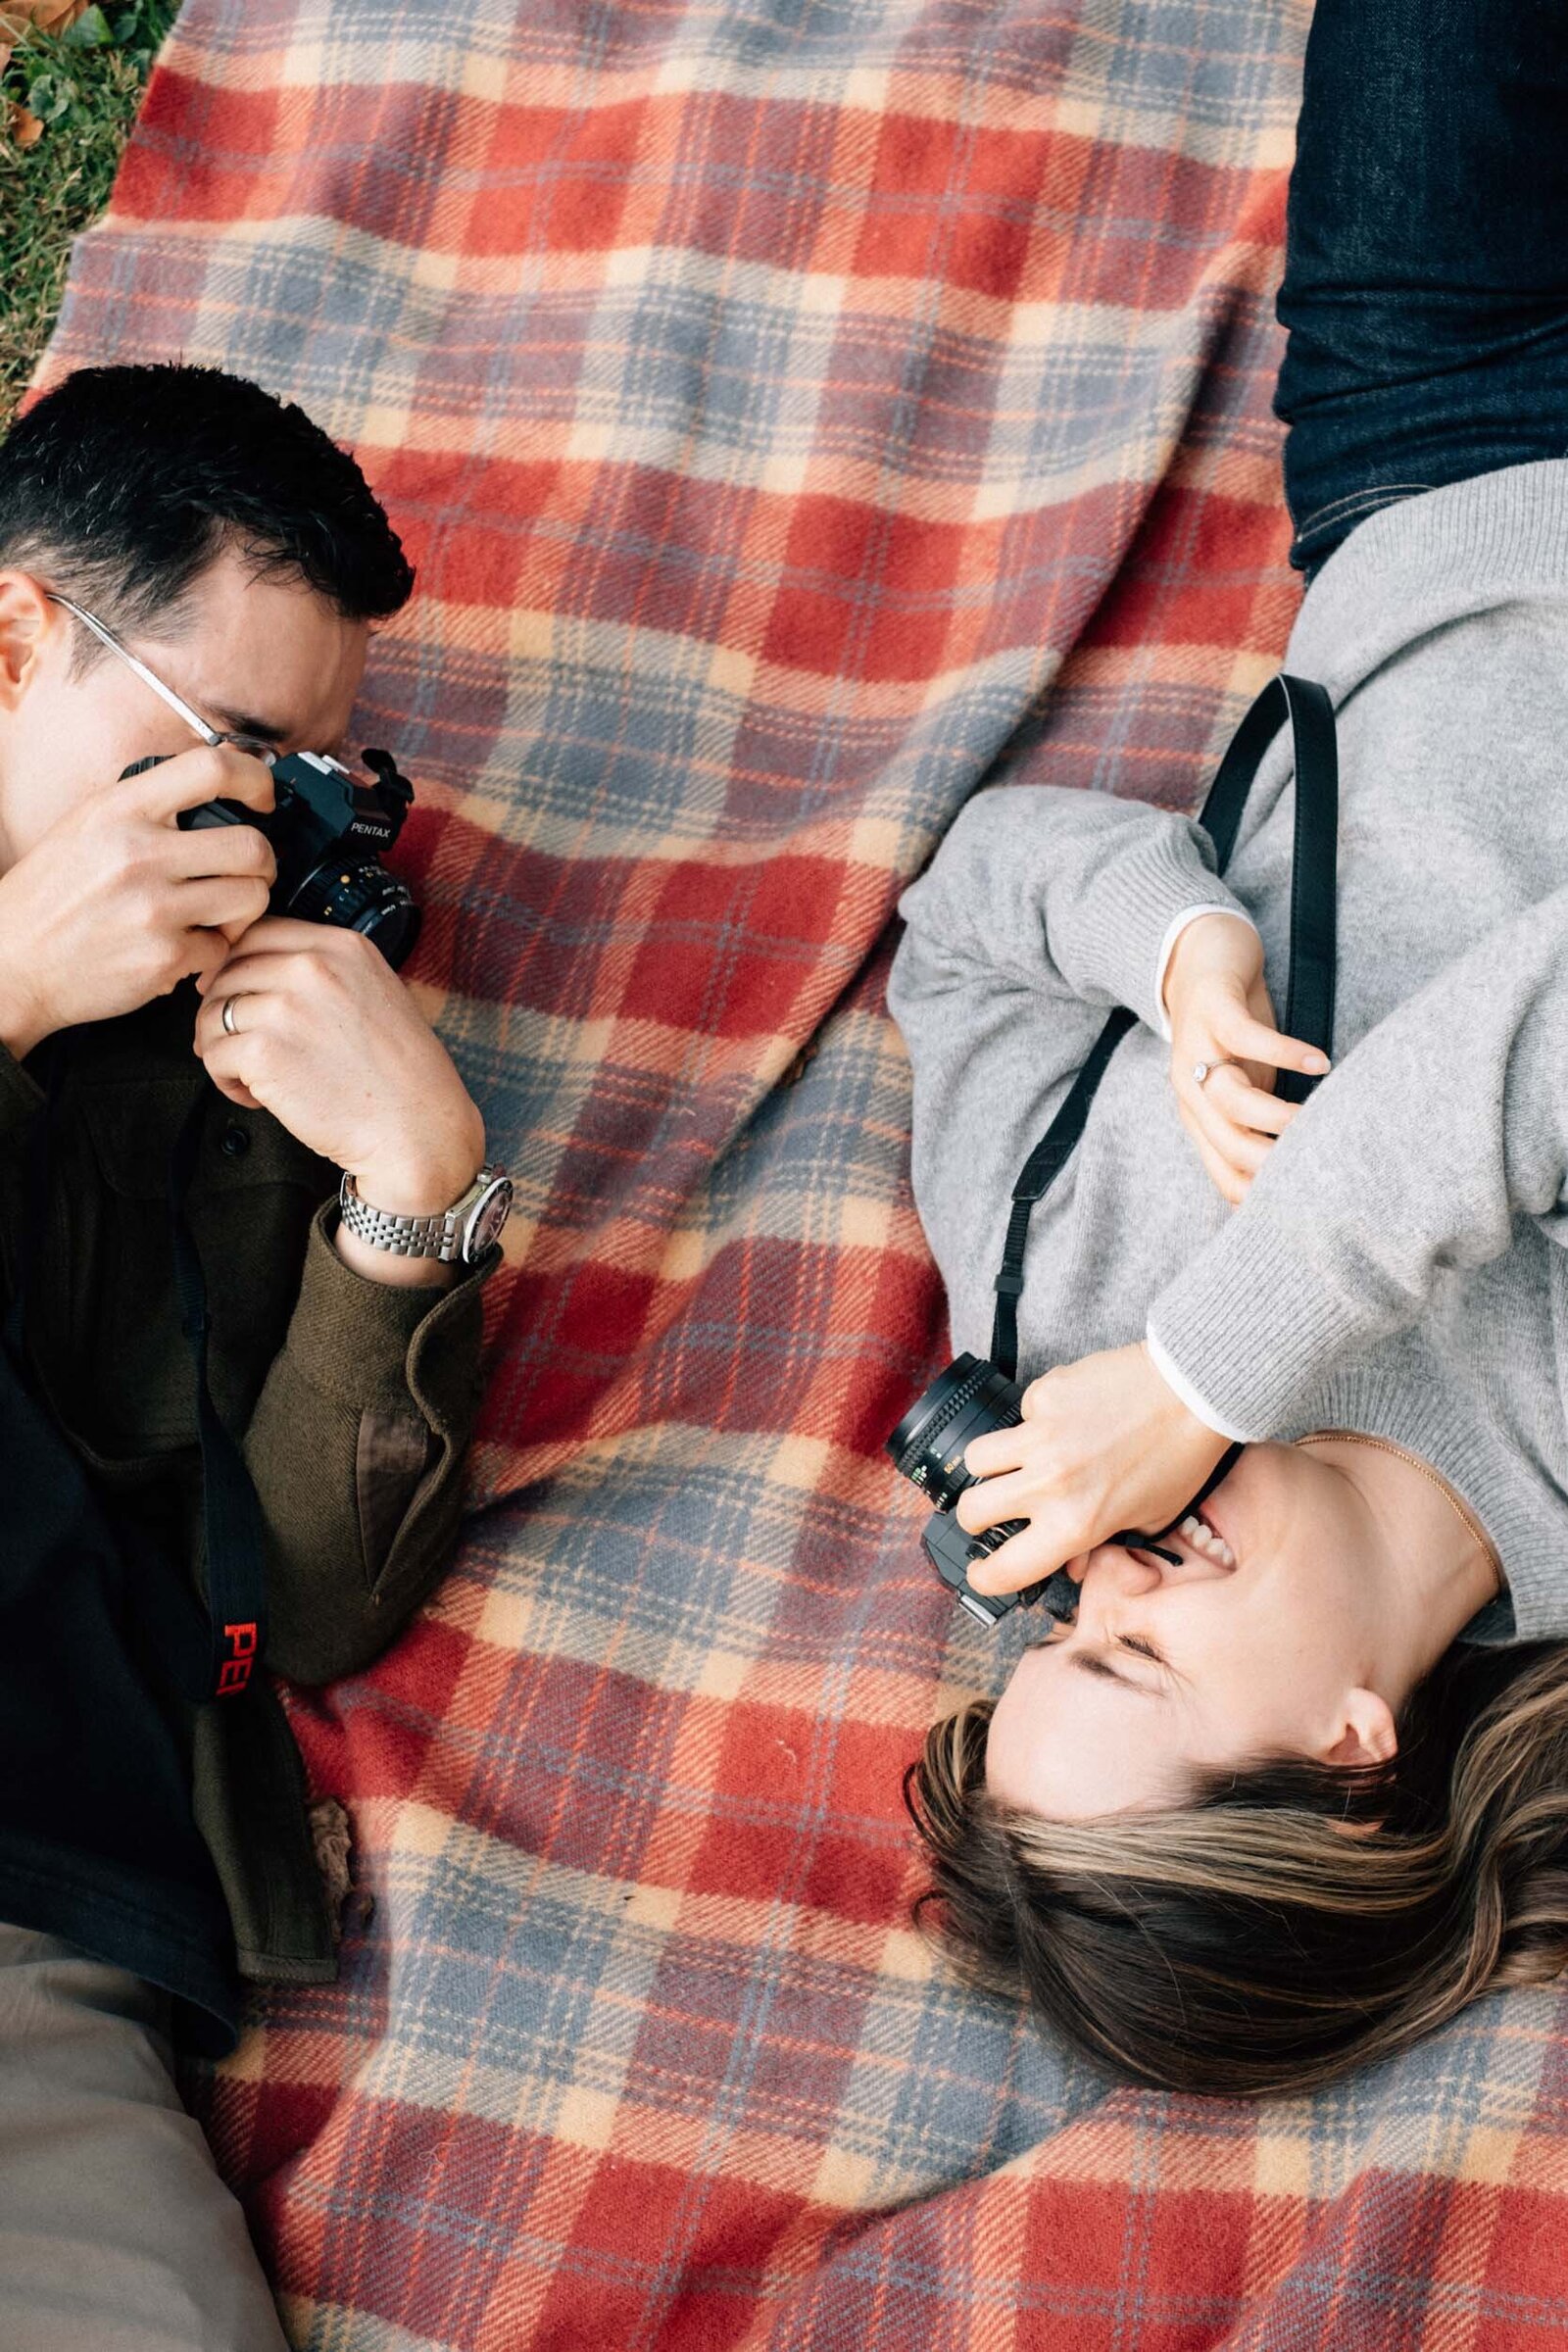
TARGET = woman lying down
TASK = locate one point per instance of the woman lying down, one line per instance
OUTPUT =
(1291, 1795)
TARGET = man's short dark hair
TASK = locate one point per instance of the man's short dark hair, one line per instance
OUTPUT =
(123, 484)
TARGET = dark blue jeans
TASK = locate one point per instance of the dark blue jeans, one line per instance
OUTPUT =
(1426, 279)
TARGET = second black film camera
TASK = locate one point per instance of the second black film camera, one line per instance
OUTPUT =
(928, 1446)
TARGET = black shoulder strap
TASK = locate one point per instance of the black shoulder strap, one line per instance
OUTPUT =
(1314, 943)
(1038, 1173)
(237, 1627)
(231, 1513)
(1309, 1000)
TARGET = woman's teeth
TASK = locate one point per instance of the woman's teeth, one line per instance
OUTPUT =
(1203, 1538)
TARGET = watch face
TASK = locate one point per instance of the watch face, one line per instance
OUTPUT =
(487, 1218)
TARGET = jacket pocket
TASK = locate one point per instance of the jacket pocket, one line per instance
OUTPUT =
(134, 1125)
(392, 1455)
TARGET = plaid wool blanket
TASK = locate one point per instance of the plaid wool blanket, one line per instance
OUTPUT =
(801, 412)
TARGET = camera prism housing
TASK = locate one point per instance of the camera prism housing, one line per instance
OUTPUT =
(328, 834)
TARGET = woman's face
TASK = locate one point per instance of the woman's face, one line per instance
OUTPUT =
(1263, 1641)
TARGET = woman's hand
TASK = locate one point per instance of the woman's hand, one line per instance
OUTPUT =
(1104, 1444)
(1220, 1014)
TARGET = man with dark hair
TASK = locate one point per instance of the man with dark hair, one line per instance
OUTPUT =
(181, 554)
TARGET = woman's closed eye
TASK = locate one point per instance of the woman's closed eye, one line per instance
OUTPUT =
(1097, 1661)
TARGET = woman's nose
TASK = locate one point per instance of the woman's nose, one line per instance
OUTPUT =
(1113, 1570)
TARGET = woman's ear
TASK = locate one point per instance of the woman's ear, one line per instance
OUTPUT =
(1367, 1735)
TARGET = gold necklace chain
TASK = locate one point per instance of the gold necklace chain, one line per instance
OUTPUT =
(1434, 1477)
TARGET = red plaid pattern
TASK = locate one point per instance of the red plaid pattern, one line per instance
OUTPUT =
(800, 412)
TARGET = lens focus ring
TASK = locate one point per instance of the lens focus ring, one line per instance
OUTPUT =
(923, 1440)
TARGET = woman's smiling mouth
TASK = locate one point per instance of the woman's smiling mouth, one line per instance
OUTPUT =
(1200, 1537)
(1206, 1539)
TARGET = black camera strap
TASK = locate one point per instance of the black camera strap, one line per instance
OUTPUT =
(211, 1658)
(1038, 1173)
(231, 1511)
(1309, 997)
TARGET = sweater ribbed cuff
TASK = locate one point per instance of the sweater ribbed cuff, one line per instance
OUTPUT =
(1251, 1325)
(1176, 1380)
(1132, 906)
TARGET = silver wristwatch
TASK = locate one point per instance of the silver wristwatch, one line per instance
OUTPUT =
(462, 1232)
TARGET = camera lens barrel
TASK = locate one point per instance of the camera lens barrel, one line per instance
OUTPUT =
(928, 1446)
(968, 1399)
(357, 893)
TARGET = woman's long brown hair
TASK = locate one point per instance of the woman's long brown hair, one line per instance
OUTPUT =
(1292, 1919)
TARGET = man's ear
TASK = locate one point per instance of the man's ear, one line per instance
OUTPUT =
(25, 618)
(1367, 1735)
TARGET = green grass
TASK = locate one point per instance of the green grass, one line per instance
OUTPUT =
(86, 87)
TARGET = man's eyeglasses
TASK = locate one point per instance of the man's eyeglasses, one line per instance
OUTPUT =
(149, 677)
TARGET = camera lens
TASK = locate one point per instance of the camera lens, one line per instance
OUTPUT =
(928, 1446)
(361, 896)
(962, 1403)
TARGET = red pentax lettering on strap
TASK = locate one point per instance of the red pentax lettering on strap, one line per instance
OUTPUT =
(235, 1671)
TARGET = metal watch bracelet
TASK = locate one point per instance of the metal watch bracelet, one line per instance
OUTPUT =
(459, 1235)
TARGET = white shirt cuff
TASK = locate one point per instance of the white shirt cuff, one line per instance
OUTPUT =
(1168, 947)
(1176, 1379)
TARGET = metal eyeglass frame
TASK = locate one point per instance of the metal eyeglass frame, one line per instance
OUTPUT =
(149, 677)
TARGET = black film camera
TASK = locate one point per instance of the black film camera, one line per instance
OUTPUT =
(328, 833)
(962, 1403)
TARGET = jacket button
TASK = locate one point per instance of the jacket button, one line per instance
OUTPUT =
(237, 1142)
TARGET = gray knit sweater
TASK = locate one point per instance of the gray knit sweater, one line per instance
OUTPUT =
(1400, 1265)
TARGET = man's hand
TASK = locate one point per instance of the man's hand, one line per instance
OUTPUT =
(1104, 1444)
(1220, 1014)
(115, 904)
(329, 1040)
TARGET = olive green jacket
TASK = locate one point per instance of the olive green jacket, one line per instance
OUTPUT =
(356, 1399)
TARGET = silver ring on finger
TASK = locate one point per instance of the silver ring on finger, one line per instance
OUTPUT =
(231, 1025)
(1206, 1069)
